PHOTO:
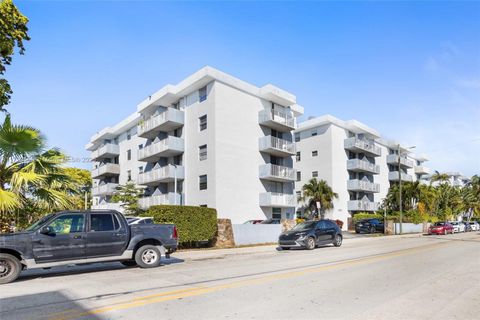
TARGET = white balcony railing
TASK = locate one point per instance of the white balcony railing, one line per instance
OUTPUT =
(422, 170)
(362, 205)
(108, 206)
(166, 147)
(362, 145)
(166, 121)
(107, 150)
(393, 159)
(362, 165)
(167, 198)
(361, 185)
(276, 145)
(276, 119)
(393, 176)
(277, 173)
(104, 189)
(164, 174)
(273, 199)
(106, 169)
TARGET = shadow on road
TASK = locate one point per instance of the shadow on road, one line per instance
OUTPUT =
(26, 307)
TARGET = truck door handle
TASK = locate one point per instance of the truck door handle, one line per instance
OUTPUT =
(119, 234)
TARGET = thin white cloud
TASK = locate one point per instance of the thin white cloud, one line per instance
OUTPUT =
(473, 83)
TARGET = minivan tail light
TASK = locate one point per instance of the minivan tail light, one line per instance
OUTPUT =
(175, 234)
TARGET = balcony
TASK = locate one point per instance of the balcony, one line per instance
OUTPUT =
(167, 198)
(108, 206)
(277, 173)
(276, 146)
(362, 145)
(106, 151)
(393, 176)
(107, 169)
(363, 186)
(281, 200)
(104, 189)
(362, 205)
(278, 120)
(163, 175)
(358, 165)
(166, 121)
(404, 162)
(168, 147)
(422, 170)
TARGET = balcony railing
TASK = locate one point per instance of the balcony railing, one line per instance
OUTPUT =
(273, 199)
(275, 119)
(277, 173)
(106, 169)
(165, 148)
(361, 165)
(393, 159)
(393, 176)
(104, 189)
(362, 145)
(422, 170)
(364, 186)
(362, 205)
(164, 174)
(276, 146)
(108, 206)
(168, 120)
(105, 151)
(167, 198)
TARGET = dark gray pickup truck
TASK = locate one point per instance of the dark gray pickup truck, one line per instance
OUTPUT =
(79, 237)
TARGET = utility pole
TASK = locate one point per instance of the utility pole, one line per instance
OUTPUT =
(400, 189)
(175, 182)
(86, 200)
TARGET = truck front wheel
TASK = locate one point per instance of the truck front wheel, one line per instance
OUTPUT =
(10, 268)
(148, 256)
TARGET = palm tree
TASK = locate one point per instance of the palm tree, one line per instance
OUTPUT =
(441, 177)
(318, 191)
(31, 180)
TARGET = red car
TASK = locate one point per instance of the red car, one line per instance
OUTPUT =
(440, 228)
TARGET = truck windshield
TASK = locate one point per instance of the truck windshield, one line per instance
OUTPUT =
(37, 224)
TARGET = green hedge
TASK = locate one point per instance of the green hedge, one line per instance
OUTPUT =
(194, 224)
(360, 216)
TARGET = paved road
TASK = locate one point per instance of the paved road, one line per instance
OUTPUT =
(418, 277)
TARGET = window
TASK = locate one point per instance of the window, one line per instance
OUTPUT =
(140, 146)
(314, 133)
(129, 175)
(314, 153)
(202, 152)
(177, 160)
(299, 176)
(299, 194)
(276, 213)
(140, 169)
(297, 137)
(299, 156)
(203, 182)
(203, 122)
(116, 223)
(204, 206)
(129, 154)
(314, 174)
(202, 94)
(129, 136)
(101, 222)
(68, 224)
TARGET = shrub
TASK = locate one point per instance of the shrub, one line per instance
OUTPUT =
(362, 215)
(194, 224)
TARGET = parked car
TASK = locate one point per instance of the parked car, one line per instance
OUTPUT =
(139, 220)
(369, 225)
(78, 237)
(468, 227)
(458, 226)
(310, 234)
(440, 228)
(474, 225)
(271, 221)
(252, 221)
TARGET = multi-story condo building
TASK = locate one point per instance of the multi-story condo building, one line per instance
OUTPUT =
(354, 160)
(455, 179)
(211, 140)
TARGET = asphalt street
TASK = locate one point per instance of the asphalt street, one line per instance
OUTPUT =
(412, 277)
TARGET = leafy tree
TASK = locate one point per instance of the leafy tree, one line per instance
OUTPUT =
(318, 191)
(13, 32)
(128, 195)
(82, 179)
(440, 177)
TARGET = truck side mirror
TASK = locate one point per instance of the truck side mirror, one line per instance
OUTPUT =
(47, 230)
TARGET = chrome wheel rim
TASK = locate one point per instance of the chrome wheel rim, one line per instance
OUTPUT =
(5, 268)
(339, 240)
(149, 256)
(311, 243)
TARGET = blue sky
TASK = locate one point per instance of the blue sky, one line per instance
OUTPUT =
(411, 70)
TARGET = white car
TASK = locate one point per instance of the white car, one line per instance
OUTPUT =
(458, 226)
(139, 220)
(474, 225)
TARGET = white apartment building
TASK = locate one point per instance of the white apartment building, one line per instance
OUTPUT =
(354, 160)
(455, 179)
(211, 140)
